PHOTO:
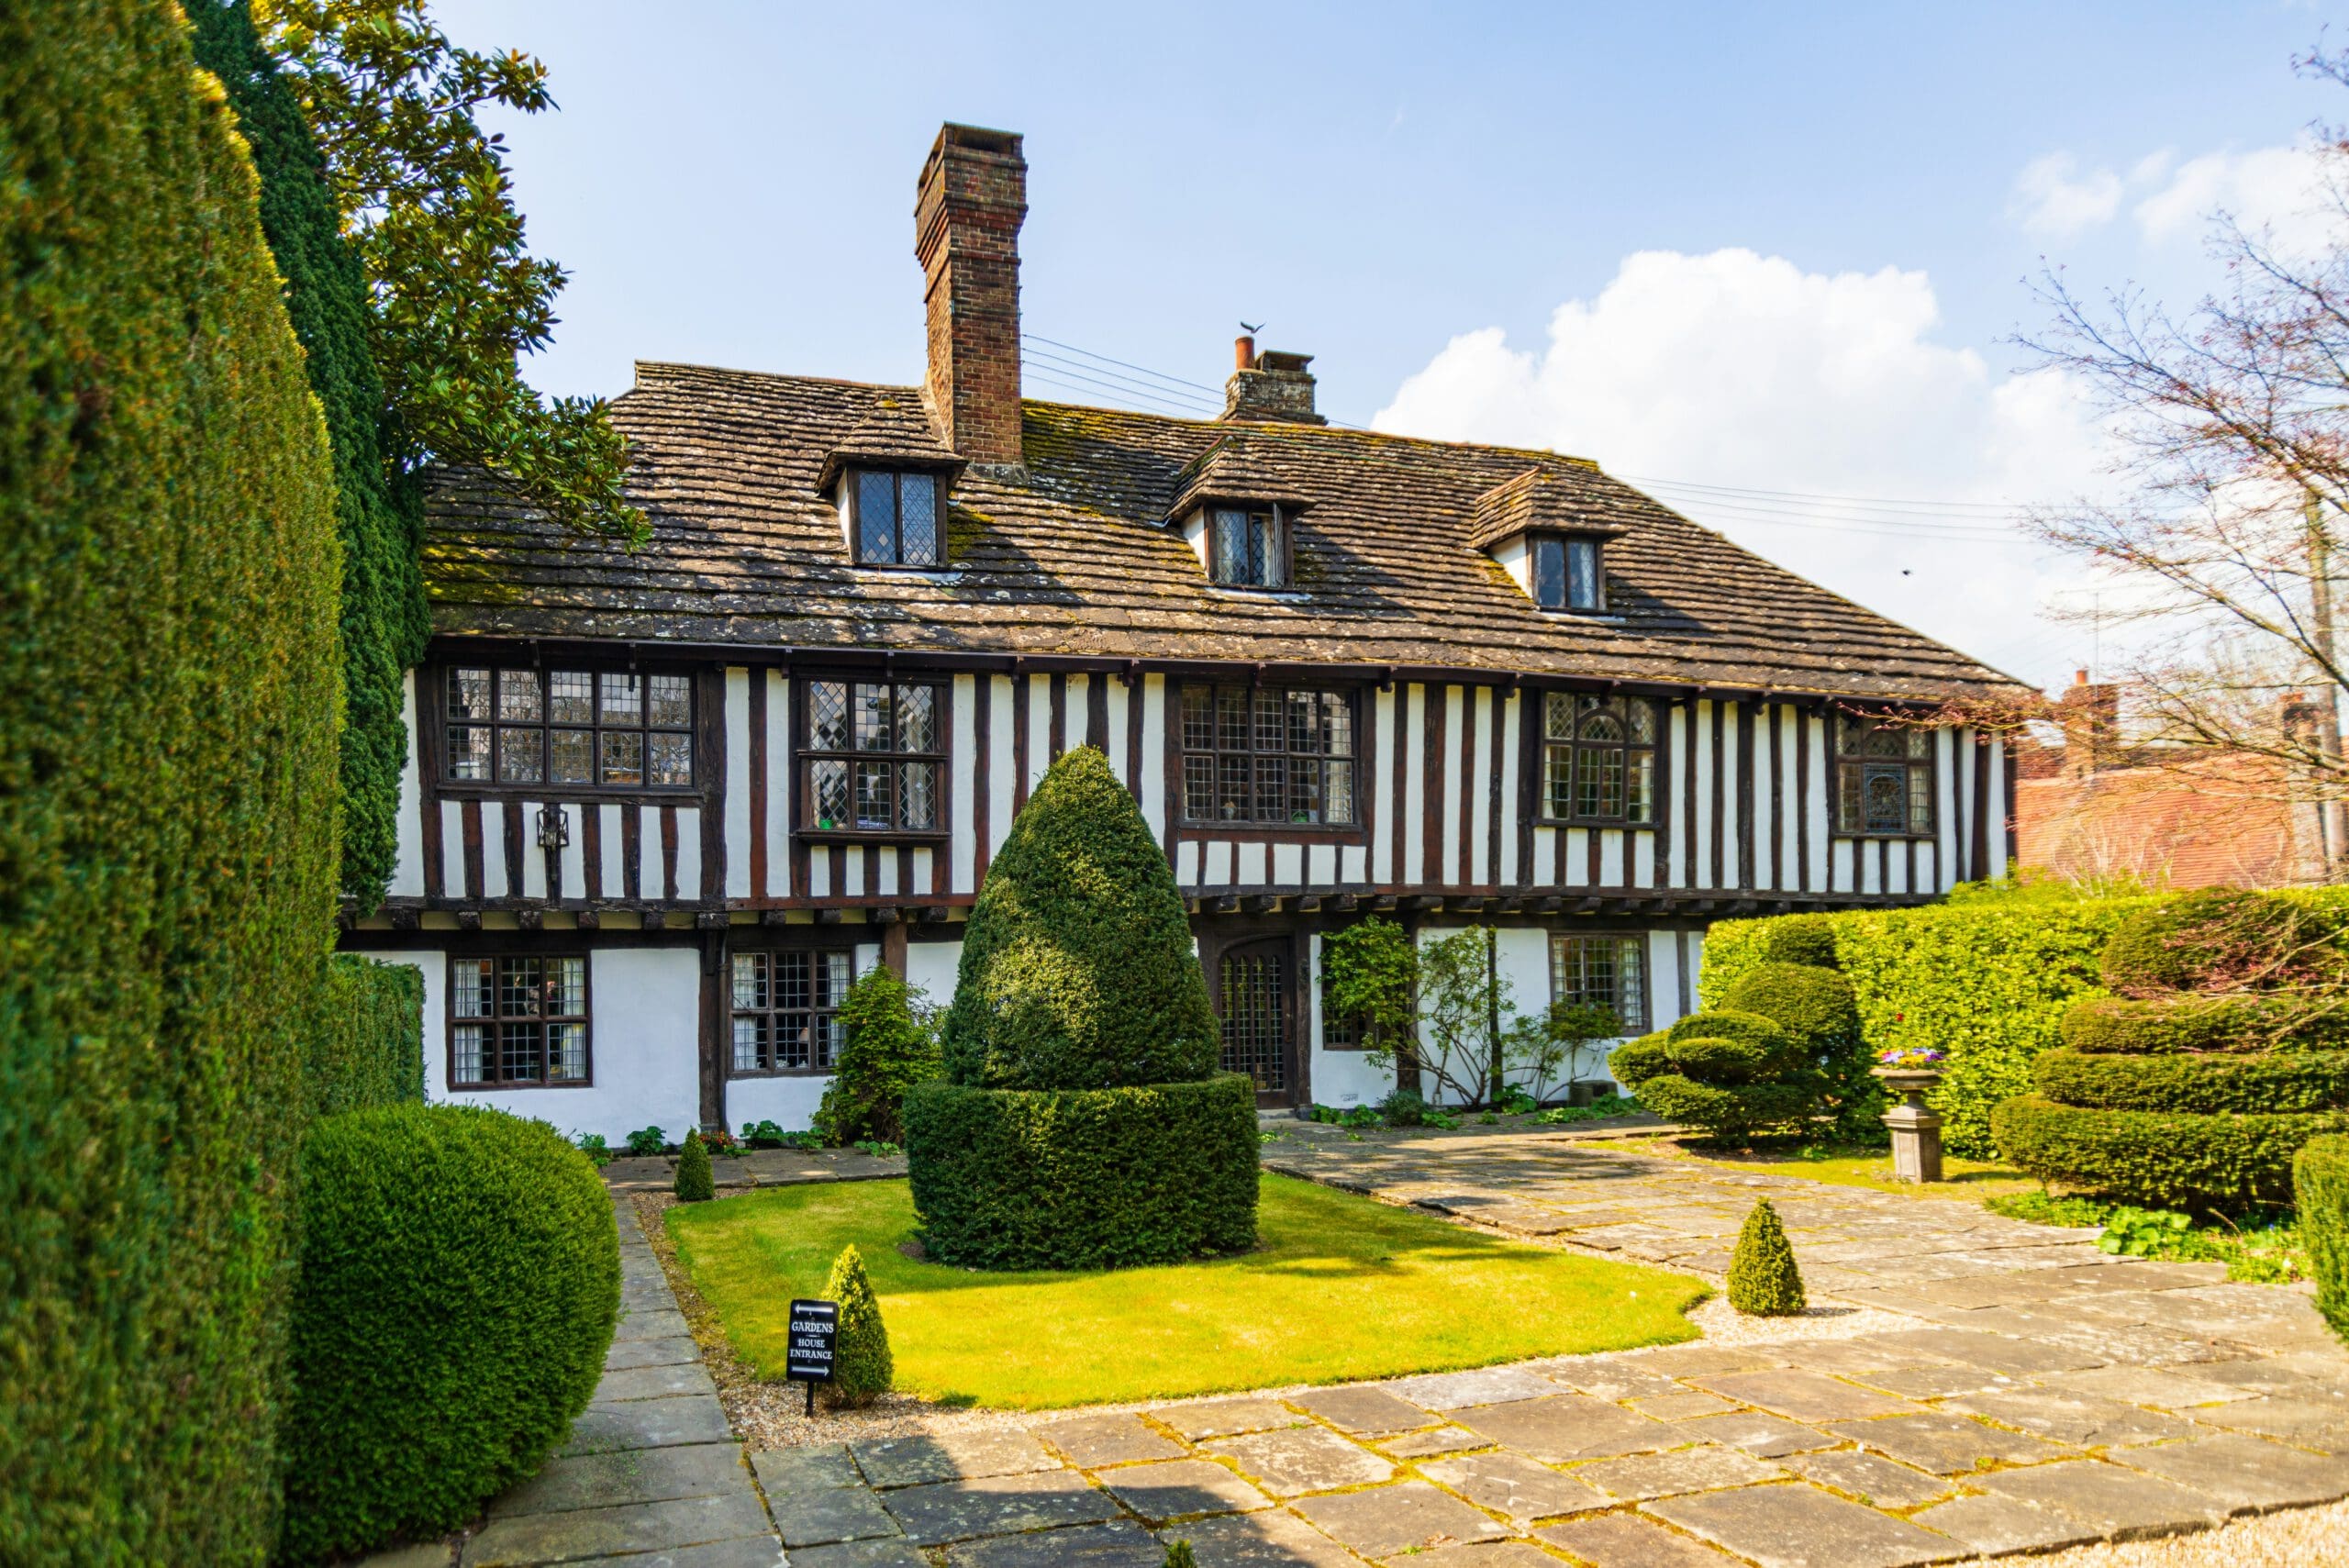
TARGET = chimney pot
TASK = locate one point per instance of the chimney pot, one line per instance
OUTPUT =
(2079, 677)
(1243, 352)
(971, 201)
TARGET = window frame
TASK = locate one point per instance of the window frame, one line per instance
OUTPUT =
(1282, 558)
(1574, 746)
(1255, 829)
(852, 487)
(494, 956)
(1566, 544)
(1915, 764)
(774, 951)
(1642, 990)
(441, 686)
(805, 756)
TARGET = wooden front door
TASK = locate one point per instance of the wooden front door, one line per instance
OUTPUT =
(1255, 1000)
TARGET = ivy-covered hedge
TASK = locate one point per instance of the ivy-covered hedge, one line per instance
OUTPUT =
(2170, 1159)
(1083, 1178)
(2275, 1080)
(1984, 982)
(380, 520)
(459, 1280)
(371, 1048)
(2321, 1193)
(167, 851)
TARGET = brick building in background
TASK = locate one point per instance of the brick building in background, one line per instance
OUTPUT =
(2096, 806)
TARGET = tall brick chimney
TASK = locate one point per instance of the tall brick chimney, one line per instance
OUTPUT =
(972, 197)
(1271, 386)
(2090, 714)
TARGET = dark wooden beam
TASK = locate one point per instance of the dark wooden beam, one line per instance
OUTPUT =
(1225, 903)
(773, 918)
(654, 920)
(827, 917)
(711, 921)
(1427, 901)
(1383, 901)
(1549, 906)
(937, 913)
(884, 915)
(1263, 903)
(1345, 903)
(406, 918)
(1306, 903)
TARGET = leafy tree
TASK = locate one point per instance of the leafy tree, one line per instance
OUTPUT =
(427, 198)
(889, 1048)
(384, 621)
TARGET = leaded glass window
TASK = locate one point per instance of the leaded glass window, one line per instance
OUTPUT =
(517, 1020)
(1268, 755)
(570, 728)
(897, 521)
(1602, 971)
(1566, 574)
(874, 757)
(1597, 758)
(786, 1010)
(1245, 549)
(1884, 778)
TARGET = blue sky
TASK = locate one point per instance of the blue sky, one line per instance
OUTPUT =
(1837, 208)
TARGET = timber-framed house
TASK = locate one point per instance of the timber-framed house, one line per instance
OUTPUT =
(661, 808)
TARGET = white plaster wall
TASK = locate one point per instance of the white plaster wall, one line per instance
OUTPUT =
(931, 968)
(408, 827)
(1341, 1078)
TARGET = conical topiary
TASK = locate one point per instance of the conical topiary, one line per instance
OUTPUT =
(694, 1183)
(1762, 1279)
(1178, 1555)
(861, 1368)
(1078, 970)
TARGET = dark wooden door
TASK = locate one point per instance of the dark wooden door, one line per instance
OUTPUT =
(1255, 1000)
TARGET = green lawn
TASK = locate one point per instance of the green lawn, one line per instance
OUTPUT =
(1341, 1288)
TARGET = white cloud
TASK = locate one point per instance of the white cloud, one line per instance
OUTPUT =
(1739, 369)
(2278, 189)
(2054, 199)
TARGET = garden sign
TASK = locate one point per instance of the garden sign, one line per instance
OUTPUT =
(815, 1327)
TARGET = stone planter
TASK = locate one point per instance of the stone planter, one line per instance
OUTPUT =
(1916, 1129)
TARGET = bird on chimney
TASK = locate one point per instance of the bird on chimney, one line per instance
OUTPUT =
(1252, 331)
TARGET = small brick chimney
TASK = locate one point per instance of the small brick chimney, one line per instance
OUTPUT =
(1270, 385)
(972, 196)
(2090, 714)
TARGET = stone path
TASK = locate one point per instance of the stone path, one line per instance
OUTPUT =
(2045, 1396)
(652, 1476)
(755, 1168)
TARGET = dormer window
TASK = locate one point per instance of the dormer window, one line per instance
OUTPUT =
(1247, 546)
(1566, 574)
(896, 517)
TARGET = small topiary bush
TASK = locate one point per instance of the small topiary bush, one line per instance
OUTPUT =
(1764, 1280)
(1078, 970)
(2170, 1159)
(696, 1182)
(1782, 1043)
(2321, 1193)
(862, 1369)
(2269, 1082)
(458, 1284)
(888, 1050)
(1083, 1178)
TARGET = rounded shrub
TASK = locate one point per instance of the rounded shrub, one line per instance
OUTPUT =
(695, 1182)
(2174, 1159)
(1729, 1113)
(2268, 1081)
(1799, 939)
(1764, 1280)
(1078, 970)
(2236, 1021)
(1083, 1178)
(1725, 1023)
(1816, 1006)
(2223, 938)
(459, 1278)
(886, 1051)
(2320, 1195)
(862, 1368)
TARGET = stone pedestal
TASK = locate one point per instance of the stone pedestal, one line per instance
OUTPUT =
(1916, 1129)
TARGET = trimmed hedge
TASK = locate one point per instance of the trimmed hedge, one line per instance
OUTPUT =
(380, 520)
(1078, 968)
(2320, 1195)
(168, 823)
(370, 1051)
(1985, 982)
(460, 1281)
(2224, 939)
(1082, 1178)
(2177, 1160)
(2271, 1081)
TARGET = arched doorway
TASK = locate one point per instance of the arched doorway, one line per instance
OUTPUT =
(1255, 988)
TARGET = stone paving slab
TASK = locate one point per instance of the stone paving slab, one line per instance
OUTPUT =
(651, 1475)
(1091, 1441)
(2121, 1503)
(1258, 1540)
(995, 1505)
(1800, 1527)
(1296, 1461)
(950, 1456)
(2246, 1474)
(1385, 1520)
(1869, 1479)
(748, 1553)
(1119, 1543)
(1179, 1488)
(819, 1516)
(860, 1554)
(648, 1423)
(1619, 1540)
(1567, 1426)
(529, 1538)
(1363, 1409)
(1701, 1469)
(1516, 1487)
(1947, 1444)
(1994, 1526)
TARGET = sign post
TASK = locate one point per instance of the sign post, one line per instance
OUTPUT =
(815, 1329)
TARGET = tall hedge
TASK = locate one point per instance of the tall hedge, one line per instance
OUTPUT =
(168, 840)
(1078, 970)
(369, 1050)
(380, 519)
(1985, 982)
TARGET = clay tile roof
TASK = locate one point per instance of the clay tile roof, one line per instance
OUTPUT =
(1068, 556)
(1237, 468)
(1538, 499)
(897, 434)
